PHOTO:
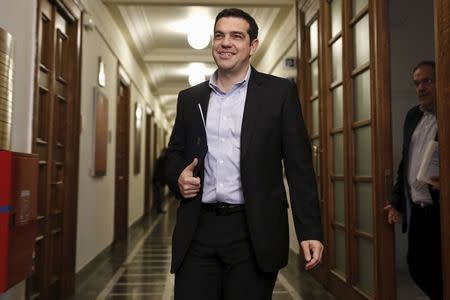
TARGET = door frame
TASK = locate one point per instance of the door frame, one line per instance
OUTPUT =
(120, 232)
(70, 220)
(71, 10)
(148, 162)
(442, 48)
(385, 277)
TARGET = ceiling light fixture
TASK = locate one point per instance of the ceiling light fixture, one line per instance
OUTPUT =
(195, 79)
(196, 73)
(198, 39)
(198, 32)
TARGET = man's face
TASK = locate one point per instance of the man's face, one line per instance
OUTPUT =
(424, 81)
(231, 46)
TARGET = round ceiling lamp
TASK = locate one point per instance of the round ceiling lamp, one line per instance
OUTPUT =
(198, 39)
(195, 79)
(196, 73)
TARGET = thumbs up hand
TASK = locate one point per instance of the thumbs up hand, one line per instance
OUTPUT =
(188, 184)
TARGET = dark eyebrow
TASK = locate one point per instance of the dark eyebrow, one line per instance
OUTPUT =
(232, 32)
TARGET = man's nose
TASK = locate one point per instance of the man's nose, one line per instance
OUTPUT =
(226, 41)
(422, 86)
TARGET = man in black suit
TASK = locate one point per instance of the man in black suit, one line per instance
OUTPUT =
(416, 201)
(225, 162)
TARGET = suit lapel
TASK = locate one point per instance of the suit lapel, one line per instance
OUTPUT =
(251, 110)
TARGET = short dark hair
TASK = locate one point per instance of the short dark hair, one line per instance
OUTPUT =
(239, 13)
(429, 63)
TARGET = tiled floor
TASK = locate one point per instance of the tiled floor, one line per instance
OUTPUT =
(139, 269)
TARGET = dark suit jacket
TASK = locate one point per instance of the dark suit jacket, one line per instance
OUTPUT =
(402, 192)
(272, 130)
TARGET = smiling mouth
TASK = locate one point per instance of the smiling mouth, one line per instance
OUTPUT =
(226, 54)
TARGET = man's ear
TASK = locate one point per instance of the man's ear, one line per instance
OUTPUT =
(253, 46)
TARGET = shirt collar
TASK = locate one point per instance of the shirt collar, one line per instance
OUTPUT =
(428, 112)
(213, 82)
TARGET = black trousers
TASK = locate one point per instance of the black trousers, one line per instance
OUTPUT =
(220, 264)
(424, 249)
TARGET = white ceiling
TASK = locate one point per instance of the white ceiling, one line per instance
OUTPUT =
(156, 32)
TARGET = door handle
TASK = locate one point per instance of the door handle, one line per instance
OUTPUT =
(316, 156)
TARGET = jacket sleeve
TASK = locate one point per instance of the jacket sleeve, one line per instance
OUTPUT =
(299, 170)
(175, 160)
(398, 190)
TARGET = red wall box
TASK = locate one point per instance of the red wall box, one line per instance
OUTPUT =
(18, 205)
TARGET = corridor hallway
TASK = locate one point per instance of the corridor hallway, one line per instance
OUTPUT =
(139, 268)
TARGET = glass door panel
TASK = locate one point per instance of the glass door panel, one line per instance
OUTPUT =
(358, 5)
(314, 39)
(362, 96)
(338, 108)
(363, 151)
(315, 117)
(361, 42)
(364, 219)
(365, 266)
(340, 252)
(336, 17)
(336, 65)
(339, 202)
(338, 154)
(315, 78)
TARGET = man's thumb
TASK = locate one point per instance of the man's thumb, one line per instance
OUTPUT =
(193, 164)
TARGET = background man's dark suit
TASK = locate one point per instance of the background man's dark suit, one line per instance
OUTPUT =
(423, 224)
(272, 130)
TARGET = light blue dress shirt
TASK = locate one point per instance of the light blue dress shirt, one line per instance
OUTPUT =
(222, 181)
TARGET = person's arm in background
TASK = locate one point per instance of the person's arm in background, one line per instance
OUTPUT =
(393, 208)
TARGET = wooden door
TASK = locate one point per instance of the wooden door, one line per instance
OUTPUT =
(122, 162)
(55, 139)
(442, 29)
(346, 96)
(149, 141)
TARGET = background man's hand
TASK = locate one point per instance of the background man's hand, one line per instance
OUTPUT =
(436, 185)
(393, 214)
(188, 184)
(312, 250)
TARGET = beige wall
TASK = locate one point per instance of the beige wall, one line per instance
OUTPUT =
(95, 194)
(279, 46)
(18, 18)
